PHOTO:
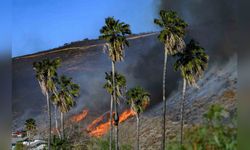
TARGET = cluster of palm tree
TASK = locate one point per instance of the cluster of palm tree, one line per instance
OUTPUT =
(61, 91)
(191, 60)
(114, 33)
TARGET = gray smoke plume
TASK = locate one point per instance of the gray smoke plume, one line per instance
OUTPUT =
(213, 23)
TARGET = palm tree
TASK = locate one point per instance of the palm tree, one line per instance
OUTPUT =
(138, 99)
(120, 81)
(30, 126)
(114, 33)
(67, 92)
(46, 73)
(191, 62)
(54, 98)
(171, 35)
(55, 115)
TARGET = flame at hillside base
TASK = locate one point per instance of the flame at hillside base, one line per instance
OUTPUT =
(103, 128)
(98, 121)
(79, 117)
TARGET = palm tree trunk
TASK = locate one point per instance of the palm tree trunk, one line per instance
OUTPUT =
(29, 139)
(79, 126)
(116, 119)
(56, 122)
(49, 115)
(164, 100)
(62, 125)
(111, 123)
(182, 108)
(138, 131)
(117, 138)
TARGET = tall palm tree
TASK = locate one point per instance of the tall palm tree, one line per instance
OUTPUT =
(171, 35)
(192, 62)
(138, 99)
(46, 73)
(114, 33)
(65, 97)
(30, 126)
(120, 81)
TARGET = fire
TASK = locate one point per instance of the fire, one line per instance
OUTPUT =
(80, 116)
(96, 122)
(98, 129)
(126, 114)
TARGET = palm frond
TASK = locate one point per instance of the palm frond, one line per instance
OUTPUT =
(114, 33)
(138, 99)
(173, 31)
(192, 62)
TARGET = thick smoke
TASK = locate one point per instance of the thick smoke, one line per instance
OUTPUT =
(147, 69)
(213, 23)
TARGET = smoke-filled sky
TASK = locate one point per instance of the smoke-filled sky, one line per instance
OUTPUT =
(45, 24)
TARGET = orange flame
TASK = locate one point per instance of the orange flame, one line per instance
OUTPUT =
(80, 116)
(98, 129)
(126, 114)
(97, 121)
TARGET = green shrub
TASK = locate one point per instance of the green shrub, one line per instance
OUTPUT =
(59, 144)
(219, 132)
(20, 146)
(103, 144)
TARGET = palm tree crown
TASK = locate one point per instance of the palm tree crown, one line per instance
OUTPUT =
(138, 99)
(192, 62)
(114, 32)
(174, 29)
(120, 82)
(30, 124)
(46, 73)
(68, 90)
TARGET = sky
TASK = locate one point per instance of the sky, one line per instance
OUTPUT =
(43, 24)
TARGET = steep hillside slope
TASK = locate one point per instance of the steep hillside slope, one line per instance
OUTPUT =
(219, 86)
(86, 62)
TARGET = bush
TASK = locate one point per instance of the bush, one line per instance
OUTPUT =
(20, 146)
(103, 144)
(59, 144)
(218, 133)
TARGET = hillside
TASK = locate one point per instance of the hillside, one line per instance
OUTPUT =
(86, 62)
(219, 86)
